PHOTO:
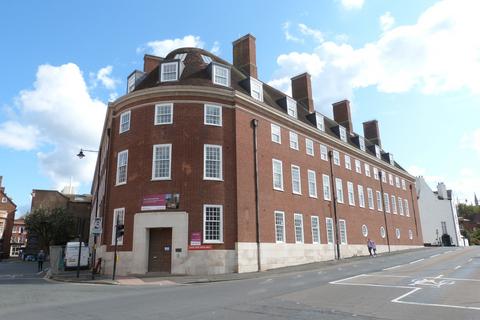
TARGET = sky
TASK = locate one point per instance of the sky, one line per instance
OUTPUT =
(412, 65)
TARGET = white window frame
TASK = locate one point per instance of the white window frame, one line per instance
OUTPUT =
(119, 155)
(384, 177)
(276, 133)
(154, 160)
(206, 115)
(361, 196)
(348, 162)
(320, 121)
(390, 179)
(397, 233)
(336, 158)
(292, 107)
(293, 169)
(342, 226)
(131, 82)
(309, 147)
(293, 140)
(327, 193)
(339, 190)
(330, 230)
(400, 206)
(206, 59)
(375, 174)
(205, 240)
(343, 133)
(125, 124)
(295, 216)
(371, 200)
(378, 153)
(118, 213)
(391, 160)
(218, 147)
(323, 152)
(386, 202)
(382, 232)
(367, 169)
(351, 193)
(256, 87)
(393, 201)
(410, 234)
(312, 183)
(217, 67)
(406, 208)
(275, 161)
(358, 166)
(162, 71)
(158, 106)
(315, 225)
(277, 226)
(397, 182)
(404, 185)
(361, 143)
(365, 230)
(379, 201)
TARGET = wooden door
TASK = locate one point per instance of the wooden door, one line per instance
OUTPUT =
(160, 250)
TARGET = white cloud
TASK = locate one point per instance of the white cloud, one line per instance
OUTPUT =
(18, 137)
(352, 4)
(316, 34)
(104, 77)
(387, 21)
(288, 35)
(471, 141)
(162, 47)
(60, 113)
(215, 48)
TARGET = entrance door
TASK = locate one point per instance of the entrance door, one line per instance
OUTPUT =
(160, 250)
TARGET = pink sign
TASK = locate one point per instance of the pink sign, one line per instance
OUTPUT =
(160, 201)
(196, 239)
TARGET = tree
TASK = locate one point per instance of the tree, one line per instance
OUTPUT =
(467, 211)
(52, 226)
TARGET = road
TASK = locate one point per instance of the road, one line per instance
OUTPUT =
(432, 283)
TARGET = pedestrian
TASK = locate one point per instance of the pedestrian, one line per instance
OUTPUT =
(374, 248)
(370, 246)
(40, 259)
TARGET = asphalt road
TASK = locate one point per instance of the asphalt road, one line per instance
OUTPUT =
(432, 283)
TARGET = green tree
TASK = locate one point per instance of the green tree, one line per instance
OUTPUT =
(465, 210)
(52, 226)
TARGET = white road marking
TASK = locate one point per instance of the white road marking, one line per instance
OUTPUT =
(395, 267)
(470, 260)
(416, 261)
(433, 304)
(457, 267)
(435, 255)
(349, 278)
(266, 281)
(439, 276)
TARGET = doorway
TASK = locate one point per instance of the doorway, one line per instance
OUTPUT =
(160, 250)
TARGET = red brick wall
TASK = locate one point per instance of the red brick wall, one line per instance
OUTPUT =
(10, 208)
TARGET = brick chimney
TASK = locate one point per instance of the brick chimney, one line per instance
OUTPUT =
(245, 56)
(150, 62)
(302, 90)
(371, 132)
(341, 114)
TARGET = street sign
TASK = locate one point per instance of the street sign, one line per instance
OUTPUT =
(97, 226)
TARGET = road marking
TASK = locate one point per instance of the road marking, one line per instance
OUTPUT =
(349, 278)
(435, 255)
(416, 261)
(457, 267)
(439, 276)
(397, 300)
(395, 267)
(266, 281)
(470, 260)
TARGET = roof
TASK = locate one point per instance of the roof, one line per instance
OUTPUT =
(197, 72)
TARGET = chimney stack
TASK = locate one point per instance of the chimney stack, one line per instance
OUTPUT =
(245, 56)
(341, 114)
(302, 91)
(371, 132)
(150, 62)
(442, 191)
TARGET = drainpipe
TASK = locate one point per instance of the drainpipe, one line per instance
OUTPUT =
(413, 208)
(334, 192)
(382, 196)
(254, 124)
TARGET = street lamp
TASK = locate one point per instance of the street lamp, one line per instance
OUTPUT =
(382, 196)
(334, 192)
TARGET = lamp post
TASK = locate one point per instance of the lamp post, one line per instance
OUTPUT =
(81, 155)
(383, 207)
(337, 240)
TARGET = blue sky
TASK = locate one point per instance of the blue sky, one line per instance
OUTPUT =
(413, 65)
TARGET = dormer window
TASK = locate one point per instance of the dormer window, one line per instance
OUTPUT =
(131, 83)
(256, 89)
(291, 107)
(320, 121)
(361, 143)
(390, 158)
(169, 71)
(221, 75)
(343, 133)
(180, 56)
(377, 152)
(206, 59)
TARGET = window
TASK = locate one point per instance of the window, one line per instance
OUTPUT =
(384, 177)
(386, 202)
(323, 152)
(348, 163)
(276, 134)
(293, 140)
(131, 82)
(367, 170)
(343, 133)
(397, 233)
(326, 187)
(277, 175)
(400, 206)
(212, 162)
(394, 204)
(212, 223)
(206, 59)
(164, 113)
(125, 121)
(336, 157)
(118, 215)
(320, 121)
(358, 166)
(343, 231)
(279, 226)
(4, 199)
(370, 199)
(404, 186)
(291, 107)
(339, 189)
(221, 75)
(351, 193)
(122, 164)
(256, 89)
(212, 115)
(329, 227)
(397, 182)
(298, 221)
(361, 196)
(379, 201)
(444, 227)
(312, 184)
(296, 185)
(364, 230)
(361, 143)
(309, 147)
(405, 207)
(382, 232)
(410, 234)
(375, 173)
(378, 154)
(390, 159)
(162, 162)
(315, 229)
(169, 71)
(390, 179)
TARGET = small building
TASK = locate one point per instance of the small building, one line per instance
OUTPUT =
(18, 240)
(7, 216)
(438, 215)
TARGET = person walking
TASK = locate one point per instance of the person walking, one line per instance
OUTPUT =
(40, 259)
(374, 248)
(370, 246)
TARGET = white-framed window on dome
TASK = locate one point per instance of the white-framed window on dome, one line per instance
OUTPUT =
(256, 89)
(169, 71)
(125, 121)
(291, 107)
(162, 162)
(212, 115)
(212, 162)
(122, 165)
(163, 113)
(221, 75)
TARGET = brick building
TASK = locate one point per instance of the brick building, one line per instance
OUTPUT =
(211, 170)
(7, 216)
(18, 240)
